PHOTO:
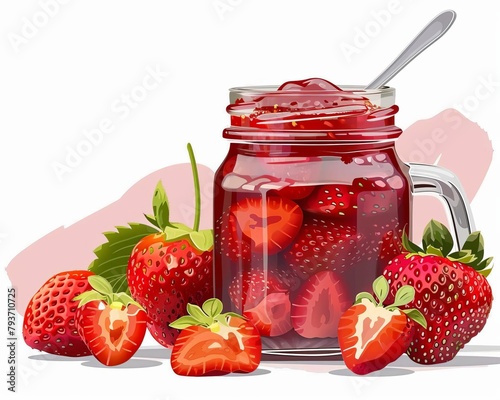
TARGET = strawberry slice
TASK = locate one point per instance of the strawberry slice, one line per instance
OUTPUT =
(269, 227)
(372, 336)
(323, 244)
(319, 304)
(272, 315)
(112, 325)
(214, 343)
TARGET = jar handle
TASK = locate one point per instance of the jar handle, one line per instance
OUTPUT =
(434, 179)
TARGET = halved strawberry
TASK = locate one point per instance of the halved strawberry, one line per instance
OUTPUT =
(318, 305)
(112, 325)
(323, 244)
(268, 225)
(370, 335)
(214, 343)
(272, 315)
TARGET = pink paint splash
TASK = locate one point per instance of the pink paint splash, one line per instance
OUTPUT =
(72, 247)
(454, 142)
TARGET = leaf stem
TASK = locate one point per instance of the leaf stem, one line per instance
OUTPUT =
(197, 198)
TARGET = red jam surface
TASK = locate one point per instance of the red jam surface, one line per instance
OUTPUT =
(310, 204)
(312, 105)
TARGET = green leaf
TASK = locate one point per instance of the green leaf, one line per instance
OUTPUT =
(173, 234)
(100, 284)
(485, 272)
(232, 314)
(160, 207)
(409, 245)
(203, 240)
(184, 322)
(364, 295)
(433, 250)
(438, 236)
(152, 220)
(197, 313)
(112, 256)
(483, 264)
(125, 299)
(89, 296)
(416, 316)
(381, 288)
(212, 307)
(474, 244)
(404, 295)
(463, 256)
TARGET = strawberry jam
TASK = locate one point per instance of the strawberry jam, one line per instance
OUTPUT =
(310, 204)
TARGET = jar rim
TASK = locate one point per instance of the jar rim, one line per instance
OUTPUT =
(382, 97)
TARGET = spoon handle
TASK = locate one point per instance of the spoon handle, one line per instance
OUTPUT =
(432, 32)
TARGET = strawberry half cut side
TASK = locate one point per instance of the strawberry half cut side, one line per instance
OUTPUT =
(214, 343)
(268, 225)
(372, 336)
(318, 305)
(112, 325)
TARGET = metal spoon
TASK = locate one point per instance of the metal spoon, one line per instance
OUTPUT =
(432, 32)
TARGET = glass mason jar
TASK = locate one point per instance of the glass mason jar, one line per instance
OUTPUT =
(309, 206)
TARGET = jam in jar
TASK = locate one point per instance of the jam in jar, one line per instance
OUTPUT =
(309, 206)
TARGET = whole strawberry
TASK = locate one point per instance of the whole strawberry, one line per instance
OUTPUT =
(171, 268)
(451, 291)
(50, 319)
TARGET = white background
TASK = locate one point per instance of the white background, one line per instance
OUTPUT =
(79, 62)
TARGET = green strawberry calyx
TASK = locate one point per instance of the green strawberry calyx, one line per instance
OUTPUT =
(437, 240)
(404, 295)
(103, 291)
(202, 239)
(209, 315)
